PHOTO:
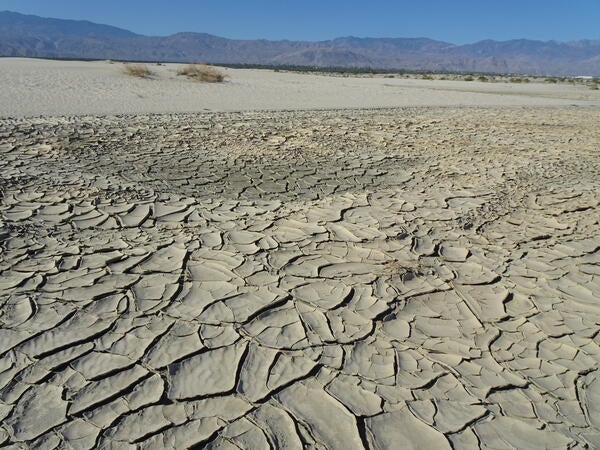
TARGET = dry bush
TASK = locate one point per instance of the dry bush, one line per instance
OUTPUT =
(138, 70)
(202, 72)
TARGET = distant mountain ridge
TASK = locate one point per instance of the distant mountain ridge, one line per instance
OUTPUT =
(33, 36)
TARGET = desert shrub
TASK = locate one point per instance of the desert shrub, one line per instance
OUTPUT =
(202, 72)
(482, 78)
(468, 78)
(138, 70)
(552, 80)
(519, 80)
(389, 76)
(426, 76)
(594, 86)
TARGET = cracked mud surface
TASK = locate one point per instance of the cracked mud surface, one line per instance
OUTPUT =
(414, 278)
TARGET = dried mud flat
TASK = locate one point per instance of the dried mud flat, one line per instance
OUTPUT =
(409, 278)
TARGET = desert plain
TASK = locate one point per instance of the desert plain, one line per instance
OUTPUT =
(296, 261)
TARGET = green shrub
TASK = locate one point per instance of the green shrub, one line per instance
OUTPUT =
(468, 78)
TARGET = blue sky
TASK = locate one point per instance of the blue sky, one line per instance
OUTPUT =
(454, 21)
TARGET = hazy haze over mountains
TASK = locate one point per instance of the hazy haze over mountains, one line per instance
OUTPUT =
(33, 36)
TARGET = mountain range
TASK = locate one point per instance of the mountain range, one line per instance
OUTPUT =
(32, 36)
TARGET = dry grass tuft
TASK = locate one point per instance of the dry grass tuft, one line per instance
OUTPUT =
(202, 72)
(138, 70)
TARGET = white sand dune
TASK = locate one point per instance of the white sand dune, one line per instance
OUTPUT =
(33, 87)
(419, 277)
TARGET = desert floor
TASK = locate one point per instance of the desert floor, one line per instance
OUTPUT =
(31, 87)
(421, 277)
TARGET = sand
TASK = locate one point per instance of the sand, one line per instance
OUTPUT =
(418, 277)
(32, 87)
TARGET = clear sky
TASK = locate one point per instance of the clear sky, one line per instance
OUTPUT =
(457, 21)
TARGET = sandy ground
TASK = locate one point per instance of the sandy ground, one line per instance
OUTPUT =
(31, 87)
(421, 277)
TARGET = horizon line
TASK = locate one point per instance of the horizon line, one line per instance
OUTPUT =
(305, 40)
